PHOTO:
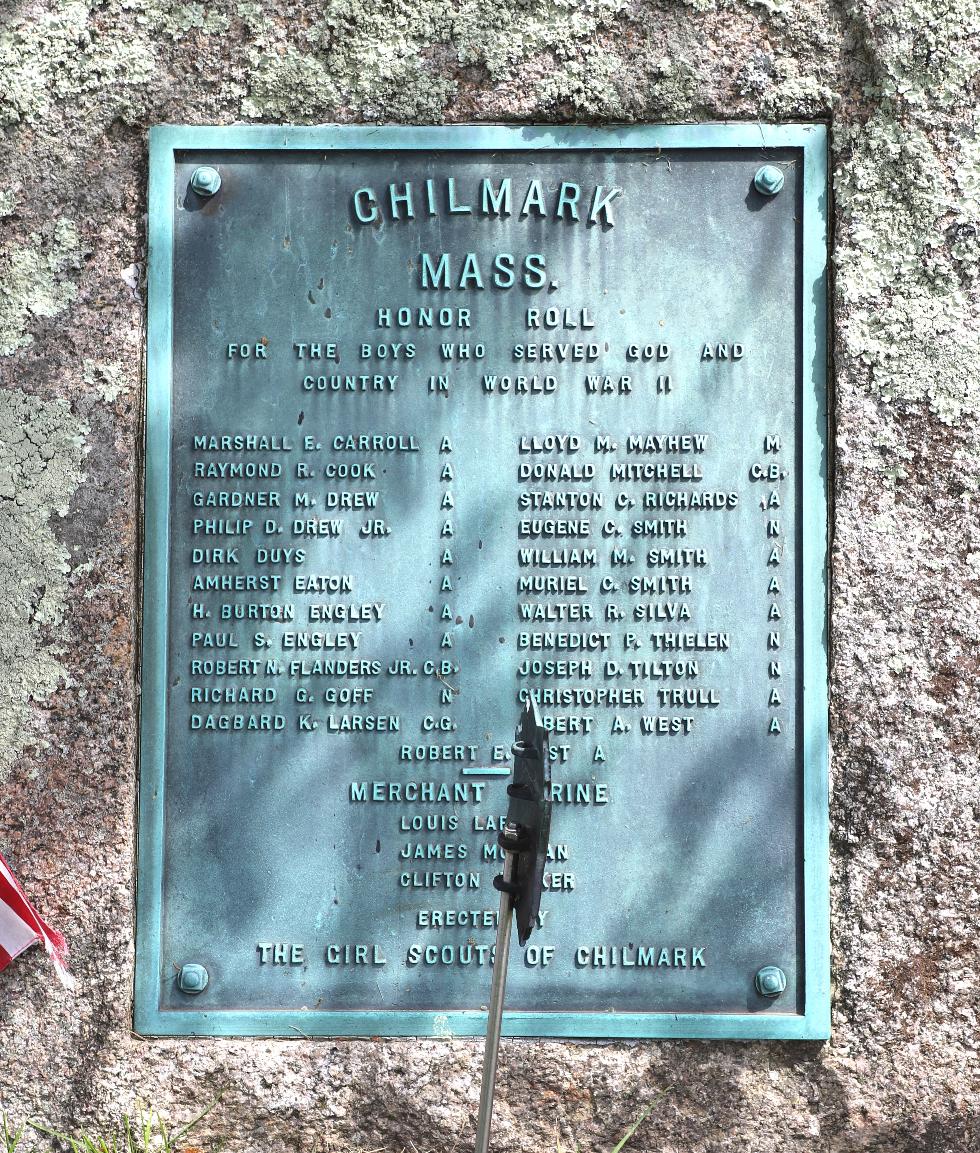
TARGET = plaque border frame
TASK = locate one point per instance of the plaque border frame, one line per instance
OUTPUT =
(814, 1022)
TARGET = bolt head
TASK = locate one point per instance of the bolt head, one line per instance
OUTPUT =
(770, 981)
(206, 181)
(768, 180)
(192, 979)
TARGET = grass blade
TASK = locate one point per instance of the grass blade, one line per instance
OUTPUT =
(10, 1139)
(628, 1135)
(175, 1137)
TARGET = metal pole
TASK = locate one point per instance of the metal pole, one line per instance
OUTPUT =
(496, 1009)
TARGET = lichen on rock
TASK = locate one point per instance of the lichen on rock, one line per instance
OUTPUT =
(41, 448)
(35, 280)
(61, 55)
(390, 61)
(911, 302)
(908, 253)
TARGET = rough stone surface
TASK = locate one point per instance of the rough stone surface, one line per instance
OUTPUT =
(80, 81)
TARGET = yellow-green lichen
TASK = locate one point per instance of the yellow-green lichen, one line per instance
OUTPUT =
(925, 53)
(590, 80)
(62, 58)
(184, 17)
(108, 378)
(400, 60)
(908, 254)
(41, 447)
(35, 280)
(911, 299)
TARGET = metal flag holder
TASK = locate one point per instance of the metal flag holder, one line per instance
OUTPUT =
(524, 840)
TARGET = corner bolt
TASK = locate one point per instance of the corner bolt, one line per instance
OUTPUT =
(770, 981)
(206, 181)
(768, 180)
(192, 979)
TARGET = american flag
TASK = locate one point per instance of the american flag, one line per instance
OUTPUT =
(21, 926)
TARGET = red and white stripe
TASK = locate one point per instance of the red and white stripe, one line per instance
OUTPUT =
(21, 926)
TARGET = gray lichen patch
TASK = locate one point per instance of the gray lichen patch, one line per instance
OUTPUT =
(911, 299)
(41, 448)
(403, 61)
(35, 280)
(108, 379)
(908, 203)
(62, 55)
(179, 19)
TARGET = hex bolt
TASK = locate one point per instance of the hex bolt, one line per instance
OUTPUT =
(192, 979)
(206, 181)
(770, 981)
(768, 180)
